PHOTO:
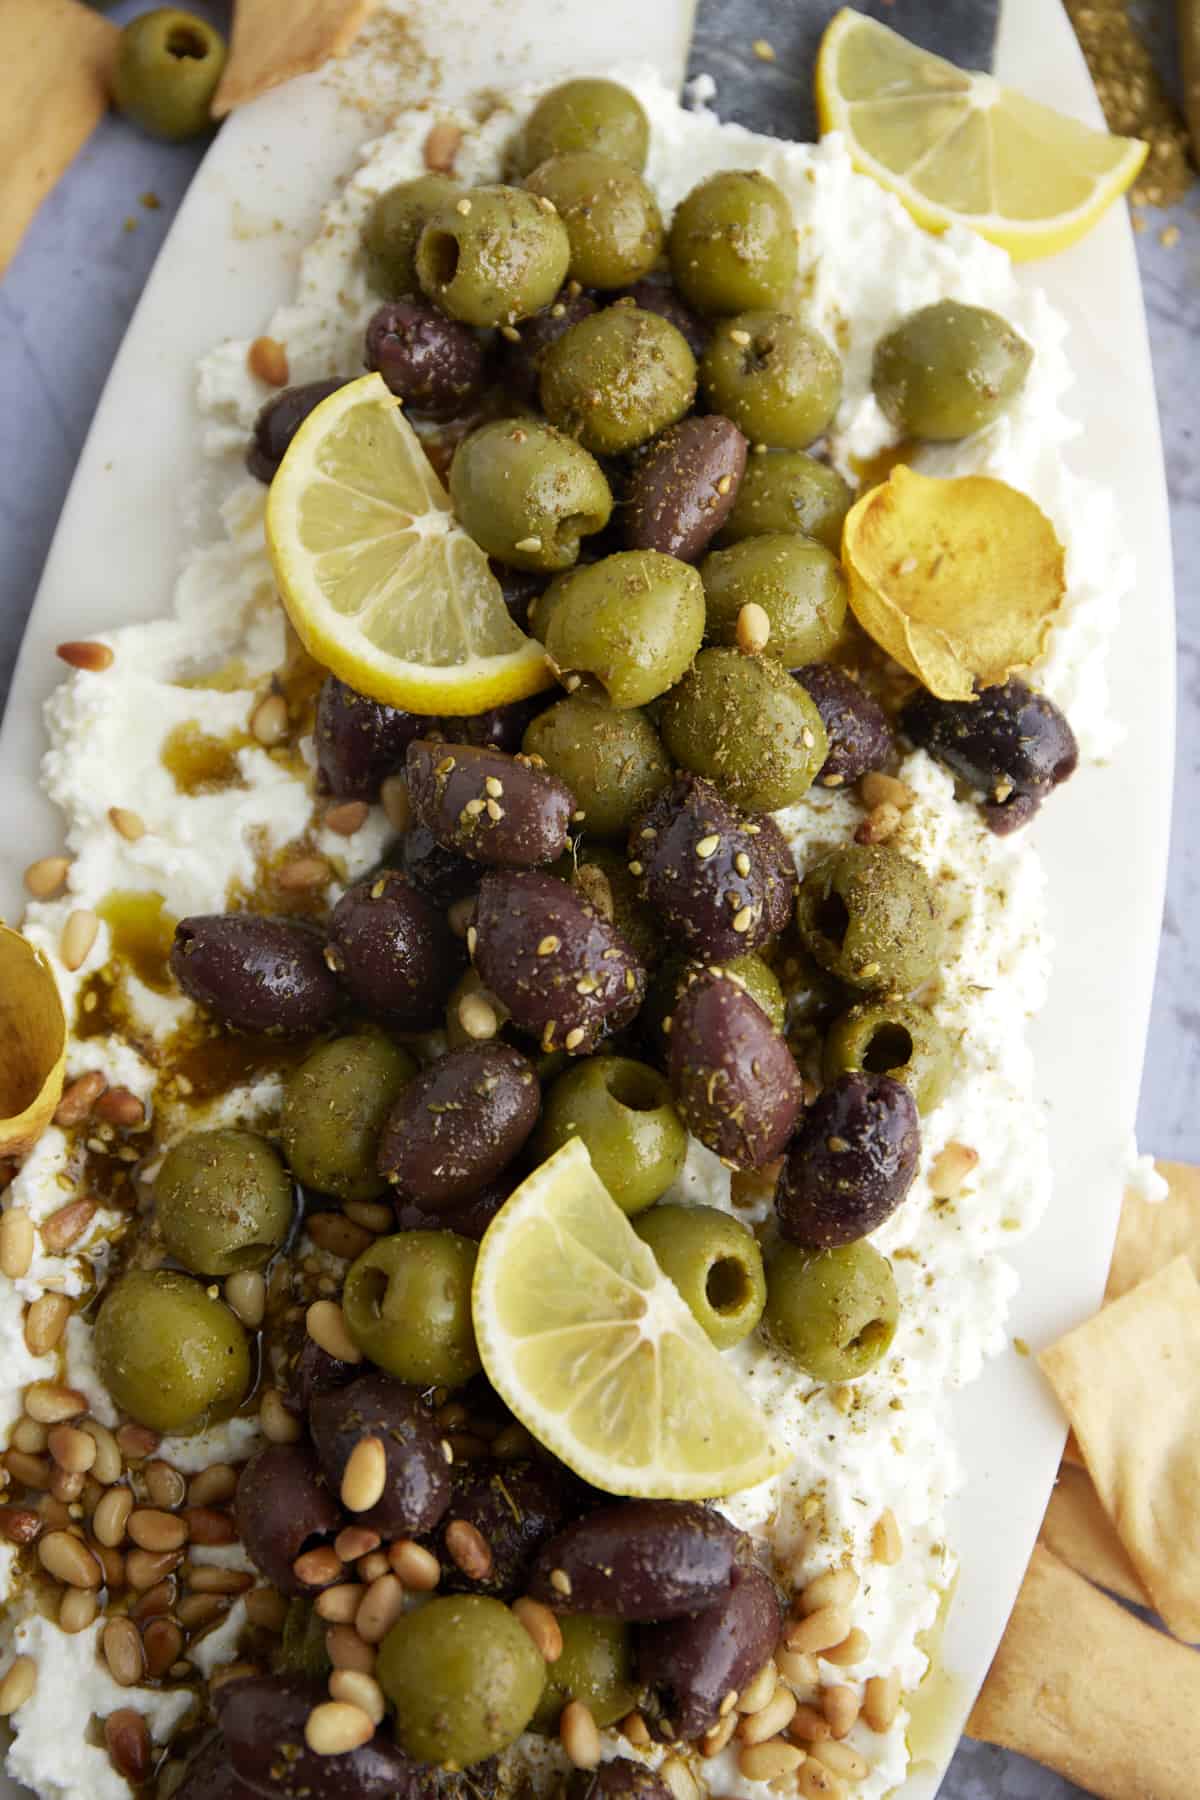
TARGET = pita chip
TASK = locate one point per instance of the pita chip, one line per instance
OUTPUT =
(1153, 1232)
(1078, 1530)
(272, 42)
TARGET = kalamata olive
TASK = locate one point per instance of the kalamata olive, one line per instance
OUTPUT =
(257, 974)
(209, 1775)
(417, 1490)
(1006, 816)
(393, 950)
(468, 1218)
(500, 728)
(309, 1370)
(515, 1507)
(278, 422)
(640, 1559)
(733, 1077)
(360, 741)
(562, 971)
(521, 360)
(720, 883)
(851, 1162)
(618, 1779)
(660, 297)
(1010, 740)
(507, 811)
(683, 489)
(434, 363)
(459, 1124)
(694, 1662)
(262, 1720)
(520, 588)
(442, 874)
(856, 726)
(283, 1508)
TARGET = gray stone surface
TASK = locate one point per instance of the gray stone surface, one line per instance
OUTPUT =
(64, 305)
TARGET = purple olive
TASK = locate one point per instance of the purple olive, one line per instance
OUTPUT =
(280, 419)
(563, 972)
(442, 874)
(459, 1124)
(720, 883)
(309, 1370)
(434, 363)
(283, 1508)
(209, 1775)
(360, 741)
(521, 360)
(500, 728)
(418, 1479)
(618, 1779)
(851, 1162)
(856, 726)
(1008, 741)
(1006, 816)
(640, 1559)
(515, 1507)
(520, 588)
(506, 811)
(254, 973)
(393, 950)
(262, 1720)
(733, 1077)
(468, 1218)
(683, 489)
(695, 1662)
(660, 297)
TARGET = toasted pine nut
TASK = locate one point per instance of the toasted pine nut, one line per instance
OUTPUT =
(325, 1323)
(478, 1019)
(758, 1690)
(371, 1215)
(130, 825)
(17, 1242)
(843, 1759)
(121, 1642)
(353, 1541)
(379, 1609)
(579, 1735)
(635, 1729)
(19, 1524)
(78, 937)
(246, 1295)
(77, 1610)
(881, 1701)
(414, 1565)
(836, 1587)
(541, 1625)
(878, 789)
(210, 1578)
(753, 628)
(17, 1686)
(50, 1403)
(679, 1778)
(397, 806)
(346, 1650)
(950, 1168)
(357, 1689)
(66, 1485)
(809, 1725)
(267, 359)
(266, 1609)
(269, 721)
(72, 1449)
(163, 1643)
(365, 1475)
(137, 1442)
(112, 1515)
(154, 1530)
(122, 1108)
(29, 1471)
(30, 1437)
(841, 1707)
(317, 1568)
(347, 818)
(153, 1602)
(127, 1739)
(717, 1736)
(67, 1225)
(855, 1647)
(441, 146)
(208, 1525)
(303, 874)
(815, 1782)
(372, 1566)
(468, 1549)
(46, 876)
(880, 824)
(199, 1610)
(770, 1720)
(165, 1486)
(339, 1604)
(337, 1235)
(68, 1560)
(79, 1098)
(107, 1465)
(822, 1629)
(45, 1322)
(768, 1762)
(799, 1670)
(113, 1564)
(79, 653)
(213, 1486)
(887, 1546)
(279, 1425)
(145, 1568)
(335, 1727)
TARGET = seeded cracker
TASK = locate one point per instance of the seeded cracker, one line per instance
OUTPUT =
(271, 43)
(1129, 1381)
(57, 55)
(1078, 1530)
(1153, 1232)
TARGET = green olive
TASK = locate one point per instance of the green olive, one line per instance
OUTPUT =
(617, 378)
(788, 490)
(716, 1264)
(167, 69)
(949, 369)
(223, 1201)
(896, 1038)
(586, 115)
(407, 1302)
(493, 256)
(172, 1357)
(745, 724)
(394, 224)
(798, 583)
(601, 873)
(624, 1114)
(778, 380)
(633, 620)
(302, 1650)
(463, 1676)
(528, 493)
(759, 980)
(871, 917)
(334, 1108)
(832, 1311)
(733, 243)
(611, 216)
(613, 762)
(596, 1668)
(811, 994)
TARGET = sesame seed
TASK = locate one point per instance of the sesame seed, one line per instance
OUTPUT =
(463, 206)
(495, 812)
(708, 846)
(445, 766)
(764, 51)
(743, 919)
(738, 336)
(494, 787)
(511, 333)
(472, 809)
(741, 863)
(529, 545)
(560, 1581)
(574, 1037)
(636, 868)
(548, 945)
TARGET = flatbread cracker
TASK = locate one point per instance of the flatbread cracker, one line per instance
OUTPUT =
(273, 40)
(1152, 1233)
(1129, 1381)
(57, 55)
(1079, 1532)
(1081, 1685)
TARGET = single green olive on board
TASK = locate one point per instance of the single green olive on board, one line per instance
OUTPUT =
(834, 1312)
(613, 761)
(463, 1676)
(624, 1114)
(407, 1303)
(788, 490)
(611, 216)
(393, 226)
(171, 1355)
(223, 1201)
(744, 723)
(528, 493)
(634, 620)
(798, 583)
(871, 917)
(493, 256)
(778, 380)
(167, 68)
(595, 1668)
(949, 369)
(896, 1038)
(588, 114)
(334, 1109)
(716, 1264)
(617, 378)
(733, 243)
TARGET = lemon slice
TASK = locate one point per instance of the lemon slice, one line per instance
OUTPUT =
(959, 148)
(592, 1348)
(382, 584)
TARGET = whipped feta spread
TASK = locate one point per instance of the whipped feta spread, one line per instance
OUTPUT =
(885, 1440)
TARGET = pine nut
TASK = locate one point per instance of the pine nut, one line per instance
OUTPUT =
(881, 1701)
(317, 1568)
(717, 1736)
(338, 1236)
(206, 1525)
(365, 1475)
(155, 1601)
(822, 1629)
(162, 1641)
(80, 653)
(17, 1242)
(353, 1541)
(325, 1323)
(29, 1471)
(357, 1689)
(279, 1425)
(46, 876)
(54, 1515)
(878, 789)
(887, 1546)
(815, 1782)
(379, 1609)
(841, 1706)
(78, 936)
(269, 721)
(17, 1686)
(579, 1736)
(753, 628)
(347, 818)
(303, 874)
(809, 1725)
(79, 1098)
(266, 1609)
(339, 1604)
(50, 1403)
(371, 1215)
(165, 1486)
(769, 1762)
(635, 1729)
(880, 824)
(65, 1486)
(770, 1720)
(107, 1467)
(122, 1108)
(799, 1670)
(949, 1170)
(855, 1647)
(72, 1450)
(77, 1610)
(335, 1727)
(213, 1486)
(145, 1568)
(679, 1778)
(441, 146)
(836, 1587)
(397, 805)
(129, 825)
(246, 1295)
(30, 1437)
(268, 361)
(541, 1625)
(137, 1442)
(113, 1564)
(346, 1650)
(468, 1549)
(63, 1556)
(112, 1516)
(414, 1565)
(127, 1738)
(45, 1322)
(758, 1690)
(210, 1578)
(199, 1610)
(19, 1524)
(121, 1642)
(152, 1529)
(843, 1759)
(477, 1017)
(372, 1566)
(66, 1226)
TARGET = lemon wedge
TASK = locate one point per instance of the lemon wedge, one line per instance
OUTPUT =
(593, 1349)
(382, 584)
(958, 148)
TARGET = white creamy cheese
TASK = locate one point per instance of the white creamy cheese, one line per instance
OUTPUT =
(886, 1441)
